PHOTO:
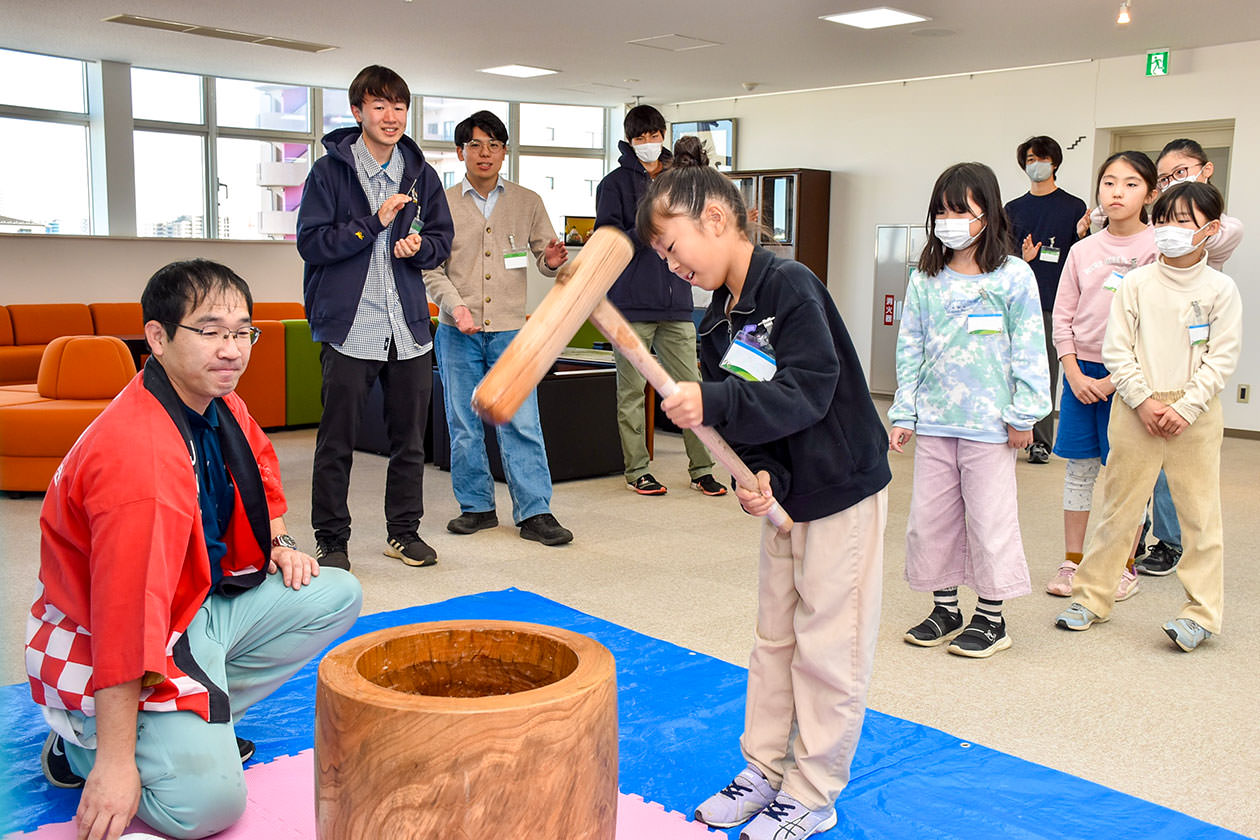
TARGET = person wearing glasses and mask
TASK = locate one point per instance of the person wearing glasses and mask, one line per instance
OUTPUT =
(373, 218)
(1043, 227)
(656, 303)
(480, 293)
(171, 597)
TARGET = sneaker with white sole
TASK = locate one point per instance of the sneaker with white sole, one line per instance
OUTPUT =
(410, 549)
(1187, 633)
(1061, 583)
(738, 802)
(939, 627)
(787, 819)
(56, 767)
(981, 639)
(1077, 617)
(1128, 586)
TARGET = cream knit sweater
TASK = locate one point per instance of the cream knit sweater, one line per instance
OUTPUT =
(1148, 345)
(475, 275)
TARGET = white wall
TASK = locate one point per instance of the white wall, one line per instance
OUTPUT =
(886, 144)
(97, 269)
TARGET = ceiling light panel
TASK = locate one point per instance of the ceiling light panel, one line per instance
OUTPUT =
(518, 71)
(875, 18)
(221, 34)
(673, 43)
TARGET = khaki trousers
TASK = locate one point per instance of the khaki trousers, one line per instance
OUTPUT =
(818, 604)
(1192, 463)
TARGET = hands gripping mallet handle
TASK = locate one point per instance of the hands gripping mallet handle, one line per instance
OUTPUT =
(609, 320)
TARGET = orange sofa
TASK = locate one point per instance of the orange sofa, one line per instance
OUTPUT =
(26, 328)
(78, 377)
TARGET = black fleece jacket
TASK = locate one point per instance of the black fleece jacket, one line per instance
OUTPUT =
(813, 426)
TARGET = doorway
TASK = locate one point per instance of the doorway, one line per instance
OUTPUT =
(1216, 137)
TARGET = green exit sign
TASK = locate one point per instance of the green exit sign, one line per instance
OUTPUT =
(1157, 63)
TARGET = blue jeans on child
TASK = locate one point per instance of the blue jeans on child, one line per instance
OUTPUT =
(1164, 524)
(462, 362)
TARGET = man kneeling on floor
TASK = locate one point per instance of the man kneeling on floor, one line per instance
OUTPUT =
(171, 596)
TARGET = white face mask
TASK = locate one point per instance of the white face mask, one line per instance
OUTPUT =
(648, 152)
(1174, 241)
(955, 233)
(1039, 170)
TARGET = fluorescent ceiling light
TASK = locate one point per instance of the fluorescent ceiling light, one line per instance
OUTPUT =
(875, 18)
(518, 71)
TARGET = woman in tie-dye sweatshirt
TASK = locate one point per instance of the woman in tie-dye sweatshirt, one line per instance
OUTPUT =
(972, 379)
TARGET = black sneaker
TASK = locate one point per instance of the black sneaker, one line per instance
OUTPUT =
(332, 552)
(1161, 560)
(1038, 453)
(52, 758)
(471, 523)
(645, 485)
(937, 628)
(981, 639)
(545, 529)
(708, 485)
(412, 550)
(246, 749)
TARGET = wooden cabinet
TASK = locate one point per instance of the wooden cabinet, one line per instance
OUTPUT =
(793, 207)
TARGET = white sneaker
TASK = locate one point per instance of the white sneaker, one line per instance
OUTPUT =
(738, 802)
(787, 819)
(1128, 586)
(1061, 583)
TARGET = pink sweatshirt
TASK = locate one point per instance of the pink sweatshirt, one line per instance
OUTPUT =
(1083, 302)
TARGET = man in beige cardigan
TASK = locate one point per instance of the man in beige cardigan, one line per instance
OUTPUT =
(480, 292)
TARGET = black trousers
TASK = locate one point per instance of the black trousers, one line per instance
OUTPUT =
(406, 385)
(1043, 432)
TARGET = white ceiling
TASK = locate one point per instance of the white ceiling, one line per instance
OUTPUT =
(439, 46)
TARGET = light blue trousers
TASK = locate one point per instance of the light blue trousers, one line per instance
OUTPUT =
(192, 784)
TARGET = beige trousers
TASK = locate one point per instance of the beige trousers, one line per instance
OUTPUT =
(818, 606)
(1192, 463)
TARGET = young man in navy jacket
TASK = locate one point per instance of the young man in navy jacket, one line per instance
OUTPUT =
(656, 303)
(373, 218)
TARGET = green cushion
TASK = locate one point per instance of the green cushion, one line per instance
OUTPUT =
(303, 374)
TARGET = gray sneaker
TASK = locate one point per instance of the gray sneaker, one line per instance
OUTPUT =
(1077, 617)
(787, 819)
(1186, 633)
(737, 802)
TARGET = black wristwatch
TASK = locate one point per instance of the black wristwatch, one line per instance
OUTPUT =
(284, 541)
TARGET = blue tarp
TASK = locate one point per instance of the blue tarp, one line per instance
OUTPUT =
(681, 714)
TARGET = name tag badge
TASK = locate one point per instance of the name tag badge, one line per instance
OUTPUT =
(1198, 334)
(515, 259)
(984, 323)
(748, 362)
(1050, 255)
(1112, 283)
(417, 224)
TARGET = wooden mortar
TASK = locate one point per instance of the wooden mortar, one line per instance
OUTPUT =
(467, 729)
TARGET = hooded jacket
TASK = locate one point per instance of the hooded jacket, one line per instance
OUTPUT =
(336, 229)
(812, 426)
(647, 290)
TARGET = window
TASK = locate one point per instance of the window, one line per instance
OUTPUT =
(448, 165)
(170, 184)
(61, 82)
(567, 185)
(260, 187)
(166, 97)
(241, 104)
(442, 114)
(36, 197)
(45, 172)
(337, 112)
(574, 126)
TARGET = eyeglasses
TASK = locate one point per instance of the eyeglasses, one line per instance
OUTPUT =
(1178, 175)
(478, 145)
(245, 335)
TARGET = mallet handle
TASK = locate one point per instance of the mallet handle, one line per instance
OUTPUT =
(609, 320)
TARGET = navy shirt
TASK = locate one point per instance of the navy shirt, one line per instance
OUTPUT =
(1047, 218)
(215, 494)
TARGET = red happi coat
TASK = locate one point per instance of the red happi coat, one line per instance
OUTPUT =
(123, 559)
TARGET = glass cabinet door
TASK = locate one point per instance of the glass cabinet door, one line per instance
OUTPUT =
(778, 207)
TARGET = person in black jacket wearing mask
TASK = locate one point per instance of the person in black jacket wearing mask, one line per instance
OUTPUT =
(784, 385)
(655, 302)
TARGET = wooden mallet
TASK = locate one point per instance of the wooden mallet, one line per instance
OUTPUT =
(578, 295)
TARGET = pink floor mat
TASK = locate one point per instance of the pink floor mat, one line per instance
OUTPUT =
(281, 807)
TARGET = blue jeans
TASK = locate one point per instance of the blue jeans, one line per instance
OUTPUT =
(1164, 524)
(462, 362)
